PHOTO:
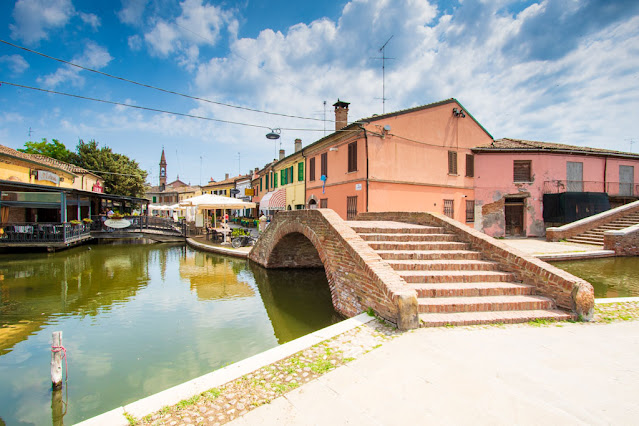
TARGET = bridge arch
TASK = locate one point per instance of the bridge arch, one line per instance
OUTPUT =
(357, 276)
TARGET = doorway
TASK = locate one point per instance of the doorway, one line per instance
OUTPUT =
(514, 217)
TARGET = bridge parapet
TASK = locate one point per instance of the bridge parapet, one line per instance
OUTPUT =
(358, 277)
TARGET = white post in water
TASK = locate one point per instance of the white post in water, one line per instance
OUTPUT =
(56, 360)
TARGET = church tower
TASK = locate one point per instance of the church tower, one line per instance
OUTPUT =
(162, 171)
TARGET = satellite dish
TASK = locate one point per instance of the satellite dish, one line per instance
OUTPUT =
(387, 128)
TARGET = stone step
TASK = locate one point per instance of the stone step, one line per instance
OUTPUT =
(595, 242)
(425, 245)
(408, 237)
(472, 289)
(363, 226)
(440, 305)
(505, 317)
(443, 265)
(455, 276)
(429, 255)
(609, 227)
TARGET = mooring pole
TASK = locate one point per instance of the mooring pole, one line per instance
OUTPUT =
(56, 360)
(57, 408)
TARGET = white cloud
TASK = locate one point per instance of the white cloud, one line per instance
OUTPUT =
(16, 63)
(132, 11)
(198, 24)
(34, 18)
(90, 19)
(135, 42)
(94, 56)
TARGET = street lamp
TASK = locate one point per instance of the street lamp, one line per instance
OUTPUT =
(274, 135)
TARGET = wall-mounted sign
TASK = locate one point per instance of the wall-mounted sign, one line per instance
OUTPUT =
(48, 176)
(358, 187)
(249, 192)
(97, 187)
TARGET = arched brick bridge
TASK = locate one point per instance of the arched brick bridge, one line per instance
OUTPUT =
(421, 268)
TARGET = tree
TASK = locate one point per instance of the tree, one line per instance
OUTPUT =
(122, 175)
(54, 149)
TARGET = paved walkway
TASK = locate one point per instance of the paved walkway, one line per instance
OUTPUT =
(566, 374)
(547, 250)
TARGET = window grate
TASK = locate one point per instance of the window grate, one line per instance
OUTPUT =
(351, 207)
(470, 211)
(449, 208)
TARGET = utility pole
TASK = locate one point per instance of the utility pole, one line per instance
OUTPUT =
(383, 58)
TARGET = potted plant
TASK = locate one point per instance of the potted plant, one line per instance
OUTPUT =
(75, 222)
(87, 220)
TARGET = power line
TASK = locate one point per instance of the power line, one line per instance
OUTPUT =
(181, 114)
(157, 88)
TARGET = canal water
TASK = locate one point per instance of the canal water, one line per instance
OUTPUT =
(138, 319)
(610, 277)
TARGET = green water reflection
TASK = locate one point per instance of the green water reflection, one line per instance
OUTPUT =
(138, 319)
(610, 277)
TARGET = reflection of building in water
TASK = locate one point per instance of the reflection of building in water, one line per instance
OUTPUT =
(36, 287)
(297, 301)
(213, 278)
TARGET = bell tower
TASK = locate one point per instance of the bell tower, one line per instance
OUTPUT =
(163, 170)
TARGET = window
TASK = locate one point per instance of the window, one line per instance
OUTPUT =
(351, 208)
(274, 180)
(300, 172)
(290, 175)
(448, 208)
(325, 164)
(267, 180)
(283, 176)
(261, 182)
(452, 162)
(470, 165)
(323, 203)
(470, 211)
(154, 199)
(521, 170)
(311, 169)
(352, 157)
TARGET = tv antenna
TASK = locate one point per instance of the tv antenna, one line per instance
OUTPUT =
(631, 141)
(324, 118)
(31, 130)
(383, 58)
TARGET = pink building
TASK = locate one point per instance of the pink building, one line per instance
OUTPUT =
(418, 159)
(522, 187)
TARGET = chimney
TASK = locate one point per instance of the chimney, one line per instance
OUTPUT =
(282, 154)
(226, 176)
(298, 145)
(341, 114)
(257, 169)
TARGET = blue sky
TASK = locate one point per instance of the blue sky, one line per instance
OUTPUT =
(558, 71)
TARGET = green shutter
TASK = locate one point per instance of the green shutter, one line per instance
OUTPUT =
(260, 184)
(291, 174)
(283, 177)
(267, 181)
(300, 171)
(274, 180)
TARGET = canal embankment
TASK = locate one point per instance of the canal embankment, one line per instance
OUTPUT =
(372, 373)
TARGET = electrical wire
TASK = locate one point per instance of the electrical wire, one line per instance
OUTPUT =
(181, 114)
(158, 88)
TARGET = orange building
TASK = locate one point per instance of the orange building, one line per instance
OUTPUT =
(417, 159)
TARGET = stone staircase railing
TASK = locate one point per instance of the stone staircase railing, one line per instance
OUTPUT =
(583, 225)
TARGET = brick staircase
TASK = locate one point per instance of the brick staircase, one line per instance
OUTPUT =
(454, 285)
(595, 236)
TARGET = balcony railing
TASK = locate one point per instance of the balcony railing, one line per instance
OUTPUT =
(28, 232)
(611, 188)
(141, 224)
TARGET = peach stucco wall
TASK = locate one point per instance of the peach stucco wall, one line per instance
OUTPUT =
(494, 181)
(407, 165)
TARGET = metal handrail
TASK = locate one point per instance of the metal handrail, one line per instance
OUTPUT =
(38, 232)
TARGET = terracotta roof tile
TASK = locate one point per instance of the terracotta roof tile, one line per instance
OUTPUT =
(509, 144)
(44, 160)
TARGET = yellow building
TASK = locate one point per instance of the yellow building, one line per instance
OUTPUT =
(289, 174)
(220, 188)
(37, 169)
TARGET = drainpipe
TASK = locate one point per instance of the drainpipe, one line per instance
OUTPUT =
(605, 189)
(366, 150)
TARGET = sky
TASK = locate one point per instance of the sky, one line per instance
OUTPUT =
(556, 71)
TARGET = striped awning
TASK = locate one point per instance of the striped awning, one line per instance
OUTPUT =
(274, 200)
